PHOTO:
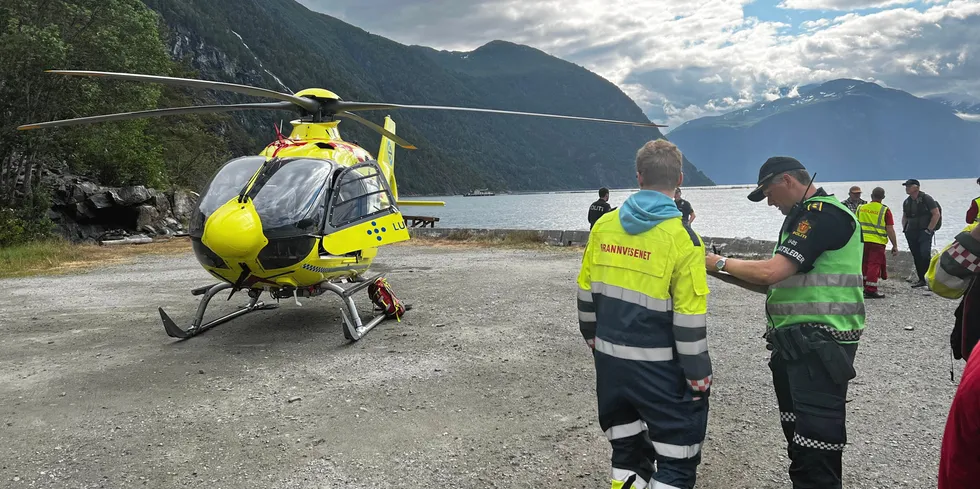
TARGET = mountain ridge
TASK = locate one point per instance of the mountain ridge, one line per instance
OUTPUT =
(844, 128)
(281, 41)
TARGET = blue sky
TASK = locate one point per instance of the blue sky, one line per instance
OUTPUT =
(683, 59)
(771, 11)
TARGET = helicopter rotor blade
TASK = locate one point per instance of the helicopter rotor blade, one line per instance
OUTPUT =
(309, 104)
(384, 132)
(159, 113)
(352, 106)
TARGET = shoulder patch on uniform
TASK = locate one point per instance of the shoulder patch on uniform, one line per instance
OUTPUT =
(815, 206)
(802, 228)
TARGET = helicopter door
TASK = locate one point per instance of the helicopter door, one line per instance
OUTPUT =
(361, 213)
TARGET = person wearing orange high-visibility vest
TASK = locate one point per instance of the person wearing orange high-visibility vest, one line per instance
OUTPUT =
(877, 227)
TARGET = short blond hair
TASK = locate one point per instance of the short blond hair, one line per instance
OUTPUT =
(660, 164)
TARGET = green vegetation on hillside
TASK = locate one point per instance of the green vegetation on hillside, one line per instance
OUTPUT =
(279, 44)
(105, 35)
(458, 151)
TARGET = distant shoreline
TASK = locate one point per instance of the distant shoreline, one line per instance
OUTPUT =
(747, 186)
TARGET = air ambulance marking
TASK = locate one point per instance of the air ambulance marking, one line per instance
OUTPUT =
(625, 250)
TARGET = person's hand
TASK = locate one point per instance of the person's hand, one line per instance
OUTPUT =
(895, 250)
(591, 343)
(710, 259)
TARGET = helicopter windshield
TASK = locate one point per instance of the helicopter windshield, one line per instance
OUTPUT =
(290, 198)
(227, 182)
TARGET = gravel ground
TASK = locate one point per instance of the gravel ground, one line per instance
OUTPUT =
(491, 388)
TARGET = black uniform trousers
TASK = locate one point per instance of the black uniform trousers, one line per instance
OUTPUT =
(812, 414)
(920, 245)
(648, 414)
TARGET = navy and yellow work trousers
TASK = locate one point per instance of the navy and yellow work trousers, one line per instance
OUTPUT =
(812, 411)
(648, 414)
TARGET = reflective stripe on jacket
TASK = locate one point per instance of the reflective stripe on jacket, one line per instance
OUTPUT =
(643, 297)
(831, 294)
(954, 267)
(871, 216)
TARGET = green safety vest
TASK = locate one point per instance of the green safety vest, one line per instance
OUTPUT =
(832, 294)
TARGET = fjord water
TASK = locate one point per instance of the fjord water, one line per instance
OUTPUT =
(722, 211)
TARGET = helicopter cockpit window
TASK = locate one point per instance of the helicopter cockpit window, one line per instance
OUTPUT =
(359, 193)
(227, 182)
(290, 200)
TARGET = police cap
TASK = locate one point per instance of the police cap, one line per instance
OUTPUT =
(772, 167)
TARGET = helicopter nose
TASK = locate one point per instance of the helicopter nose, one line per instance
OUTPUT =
(235, 231)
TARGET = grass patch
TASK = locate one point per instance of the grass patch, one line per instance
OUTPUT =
(58, 256)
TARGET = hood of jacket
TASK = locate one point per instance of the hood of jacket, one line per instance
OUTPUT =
(646, 209)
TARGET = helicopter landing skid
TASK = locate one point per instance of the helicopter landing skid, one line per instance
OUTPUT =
(209, 292)
(354, 328)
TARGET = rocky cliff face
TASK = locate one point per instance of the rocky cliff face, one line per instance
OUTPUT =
(86, 212)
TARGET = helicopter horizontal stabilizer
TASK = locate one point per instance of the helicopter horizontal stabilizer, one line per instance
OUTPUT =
(420, 202)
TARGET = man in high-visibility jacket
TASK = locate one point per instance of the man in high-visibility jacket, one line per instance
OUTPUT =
(642, 303)
(815, 316)
(973, 213)
(877, 227)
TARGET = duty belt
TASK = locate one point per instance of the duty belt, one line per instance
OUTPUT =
(835, 333)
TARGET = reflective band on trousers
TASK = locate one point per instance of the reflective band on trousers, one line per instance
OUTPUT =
(625, 430)
(817, 308)
(632, 296)
(820, 280)
(676, 451)
(633, 352)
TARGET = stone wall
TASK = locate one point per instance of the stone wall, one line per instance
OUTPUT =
(898, 266)
(84, 211)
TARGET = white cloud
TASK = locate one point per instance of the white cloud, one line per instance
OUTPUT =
(680, 60)
(841, 4)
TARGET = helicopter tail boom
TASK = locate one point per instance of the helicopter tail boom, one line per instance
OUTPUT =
(386, 157)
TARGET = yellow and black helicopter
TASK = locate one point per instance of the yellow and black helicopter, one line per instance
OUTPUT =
(303, 217)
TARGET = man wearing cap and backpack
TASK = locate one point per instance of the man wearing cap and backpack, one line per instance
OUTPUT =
(920, 220)
(814, 312)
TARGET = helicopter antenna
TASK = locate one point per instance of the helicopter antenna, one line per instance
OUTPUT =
(278, 131)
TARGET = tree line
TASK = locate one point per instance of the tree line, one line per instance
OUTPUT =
(102, 35)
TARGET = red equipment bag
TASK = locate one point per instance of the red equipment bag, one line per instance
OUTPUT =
(382, 296)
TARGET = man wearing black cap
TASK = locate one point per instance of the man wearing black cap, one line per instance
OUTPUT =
(814, 315)
(920, 214)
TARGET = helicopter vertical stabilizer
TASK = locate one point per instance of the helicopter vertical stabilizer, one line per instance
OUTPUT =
(386, 157)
